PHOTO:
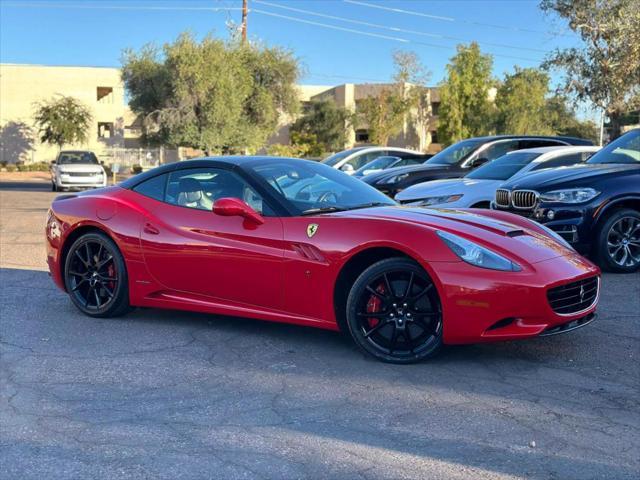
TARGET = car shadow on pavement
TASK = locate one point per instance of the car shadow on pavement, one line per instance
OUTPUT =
(25, 186)
(250, 388)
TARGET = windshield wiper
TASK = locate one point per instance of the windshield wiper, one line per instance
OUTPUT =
(372, 204)
(312, 211)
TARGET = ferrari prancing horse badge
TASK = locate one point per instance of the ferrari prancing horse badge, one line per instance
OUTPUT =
(312, 228)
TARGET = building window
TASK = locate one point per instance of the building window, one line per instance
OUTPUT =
(435, 107)
(362, 136)
(434, 136)
(105, 130)
(104, 94)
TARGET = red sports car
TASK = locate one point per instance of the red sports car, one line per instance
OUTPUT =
(296, 241)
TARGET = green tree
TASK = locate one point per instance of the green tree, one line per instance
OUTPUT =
(63, 120)
(384, 113)
(388, 112)
(564, 121)
(213, 95)
(606, 69)
(327, 122)
(465, 106)
(521, 103)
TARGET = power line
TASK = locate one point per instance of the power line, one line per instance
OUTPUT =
(376, 35)
(393, 29)
(443, 18)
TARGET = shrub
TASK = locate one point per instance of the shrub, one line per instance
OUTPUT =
(136, 169)
(11, 168)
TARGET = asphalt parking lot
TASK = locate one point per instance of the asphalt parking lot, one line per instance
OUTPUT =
(163, 394)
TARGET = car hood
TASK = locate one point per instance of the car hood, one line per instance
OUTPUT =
(384, 175)
(80, 167)
(450, 186)
(570, 176)
(509, 239)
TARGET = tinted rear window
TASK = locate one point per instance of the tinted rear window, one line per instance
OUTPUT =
(153, 188)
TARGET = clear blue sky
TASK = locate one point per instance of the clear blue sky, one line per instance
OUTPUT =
(73, 32)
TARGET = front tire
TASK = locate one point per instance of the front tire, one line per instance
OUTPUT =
(95, 276)
(54, 187)
(618, 242)
(394, 312)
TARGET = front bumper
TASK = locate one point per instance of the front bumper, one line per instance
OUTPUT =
(481, 305)
(92, 181)
(572, 222)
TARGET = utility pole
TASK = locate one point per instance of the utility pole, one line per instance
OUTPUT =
(244, 21)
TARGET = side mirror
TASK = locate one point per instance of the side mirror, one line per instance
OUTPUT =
(479, 161)
(347, 167)
(234, 207)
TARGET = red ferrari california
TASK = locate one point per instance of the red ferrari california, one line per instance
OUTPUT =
(296, 241)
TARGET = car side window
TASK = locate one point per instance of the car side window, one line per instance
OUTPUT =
(537, 143)
(361, 160)
(153, 188)
(199, 188)
(562, 161)
(498, 149)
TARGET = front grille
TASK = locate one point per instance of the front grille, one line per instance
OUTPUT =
(502, 197)
(524, 199)
(574, 297)
(82, 174)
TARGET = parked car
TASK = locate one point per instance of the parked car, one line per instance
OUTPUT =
(77, 169)
(240, 236)
(382, 163)
(351, 160)
(459, 159)
(478, 188)
(595, 206)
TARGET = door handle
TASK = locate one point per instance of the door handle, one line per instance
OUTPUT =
(150, 229)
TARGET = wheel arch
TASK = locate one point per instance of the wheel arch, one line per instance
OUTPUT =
(74, 235)
(630, 201)
(357, 263)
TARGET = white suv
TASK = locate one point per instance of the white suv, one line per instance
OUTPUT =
(77, 169)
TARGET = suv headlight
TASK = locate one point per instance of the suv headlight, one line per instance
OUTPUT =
(476, 255)
(571, 195)
(396, 178)
(424, 202)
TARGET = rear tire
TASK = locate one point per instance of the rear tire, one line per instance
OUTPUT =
(394, 312)
(95, 276)
(617, 246)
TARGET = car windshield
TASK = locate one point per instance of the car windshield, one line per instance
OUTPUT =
(316, 188)
(625, 149)
(504, 167)
(69, 158)
(336, 157)
(454, 153)
(377, 164)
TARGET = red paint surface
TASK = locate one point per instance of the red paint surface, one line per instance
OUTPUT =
(189, 259)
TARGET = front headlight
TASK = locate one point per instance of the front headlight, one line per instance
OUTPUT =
(571, 195)
(476, 255)
(556, 236)
(396, 178)
(425, 202)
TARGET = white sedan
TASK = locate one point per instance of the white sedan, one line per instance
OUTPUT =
(477, 189)
(77, 169)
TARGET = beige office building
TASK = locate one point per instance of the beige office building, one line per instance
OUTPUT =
(23, 86)
(114, 130)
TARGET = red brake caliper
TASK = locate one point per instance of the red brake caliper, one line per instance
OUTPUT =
(374, 305)
(111, 272)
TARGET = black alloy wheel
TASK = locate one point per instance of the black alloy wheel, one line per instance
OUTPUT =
(394, 312)
(96, 277)
(619, 242)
